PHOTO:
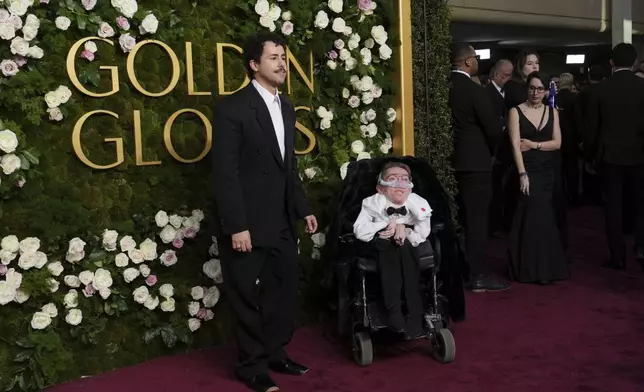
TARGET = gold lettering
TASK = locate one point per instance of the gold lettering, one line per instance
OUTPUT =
(175, 68)
(308, 80)
(307, 132)
(138, 144)
(78, 148)
(167, 135)
(190, 73)
(220, 69)
(71, 69)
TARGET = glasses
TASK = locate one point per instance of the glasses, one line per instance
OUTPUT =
(401, 178)
(533, 89)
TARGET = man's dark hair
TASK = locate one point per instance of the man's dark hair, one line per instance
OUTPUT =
(391, 165)
(460, 51)
(596, 73)
(255, 47)
(624, 55)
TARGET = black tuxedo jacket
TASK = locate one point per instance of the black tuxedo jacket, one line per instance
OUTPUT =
(498, 102)
(615, 121)
(475, 125)
(254, 188)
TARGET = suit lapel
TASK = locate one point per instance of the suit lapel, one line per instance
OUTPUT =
(265, 122)
(289, 131)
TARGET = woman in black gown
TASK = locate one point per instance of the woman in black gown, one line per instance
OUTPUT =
(536, 252)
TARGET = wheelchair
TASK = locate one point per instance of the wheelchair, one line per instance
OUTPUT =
(361, 312)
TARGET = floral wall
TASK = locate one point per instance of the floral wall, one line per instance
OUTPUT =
(101, 269)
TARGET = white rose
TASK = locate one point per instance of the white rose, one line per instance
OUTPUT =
(127, 42)
(32, 21)
(310, 172)
(267, 22)
(376, 91)
(363, 155)
(353, 42)
(136, 256)
(145, 270)
(366, 55)
(347, 31)
(191, 222)
(72, 281)
(343, 170)
(369, 43)
(338, 25)
(63, 93)
(15, 21)
(56, 268)
(90, 46)
(76, 251)
(52, 100)
(13, 278)
(384, 148)
(109, 240)
(321, 20)
(379, 34)
(4, 14)
(197, 293)
(6, 257)
(141, 294)
(367, 98)
(372, 130)
(149, 24)
(354, 101)
(391, 115)
(102, 279)
(274, 12)
(169, 258)
(63, 22)
(385, 52)
(350, 64)
(166, 290)
(319, 239)
(9, 67)
(346, 93)
(357, 147)
(10, 243)
(27, 261)
(176, 221)
(214, 248)
(287, 28)
(344, 54)
(198, 215)
(130, 274)
(370, 114)
(54, 285)
(335, 6)
(149, 249)
(29, 32)
(41, 259)
(168, 305)
(194, 324)
(366, 83)
(18, 7)
(71, 299)
(212, 269)
(209, 315)
(193, 308)
(74, 317)
(126, 7)
(127, 244)
(161, 218)
(286, 15)
(325, 124)
(55, 114)
(10, 163)
(121, 260)
(151, 303)
(50, 310)
(262, 7)
(211, 298)
(86, 277)
(7, 292)
(7, 32)
(339, 44)
(40, 320)
(331, 64)
(168, 234)
(21, 297)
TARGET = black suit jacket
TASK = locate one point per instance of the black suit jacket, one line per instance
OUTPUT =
(253, 186)
(615, 118)
(476, 127)
(566, 102)
(498, 102)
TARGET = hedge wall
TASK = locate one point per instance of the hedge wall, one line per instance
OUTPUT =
(63, 199)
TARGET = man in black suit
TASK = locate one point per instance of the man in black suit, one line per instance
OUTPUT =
(501, 205)
(476, 131)
(614, 140)
(258, 197)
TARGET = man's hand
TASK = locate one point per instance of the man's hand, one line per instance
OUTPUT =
(241, 242)
(388, 231)
(311, 224)
(401, 234)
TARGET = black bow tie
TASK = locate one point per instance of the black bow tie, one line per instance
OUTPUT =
(400, 211)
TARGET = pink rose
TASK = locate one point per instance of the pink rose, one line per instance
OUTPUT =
(178, 243)
(89, 290)
(365, 5)
(202, 313)
(287, 28)
(89, 4)
(123, 23)
(333, 55)
(86, 54)
(169, 258)
(151, 280)
(19, 60)
(21, 182)
(3, 270)
(190, 232)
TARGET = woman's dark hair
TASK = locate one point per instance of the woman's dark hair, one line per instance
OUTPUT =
(255, 47)
(538, 75)
(520, 62)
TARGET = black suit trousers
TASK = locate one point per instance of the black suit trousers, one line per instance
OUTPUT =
(616, 180)
(474, 196)
(261, 287)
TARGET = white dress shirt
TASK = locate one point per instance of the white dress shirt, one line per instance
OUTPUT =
(373, 218)
(274, 106)
(462, 72)
(499, 89)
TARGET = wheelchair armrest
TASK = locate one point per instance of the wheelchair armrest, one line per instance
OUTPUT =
(436, 227)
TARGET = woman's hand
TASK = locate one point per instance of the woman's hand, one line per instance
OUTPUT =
(525, 185)
(389, 231)
(527, 145)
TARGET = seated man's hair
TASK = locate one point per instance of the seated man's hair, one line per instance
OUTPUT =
(390, 165)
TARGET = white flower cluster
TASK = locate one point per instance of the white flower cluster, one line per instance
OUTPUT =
(9, 162)
(11, 23)
(326, 116)
(143, 296)
(209, 298)
(176, 228)
(54, 99)
(270, 14)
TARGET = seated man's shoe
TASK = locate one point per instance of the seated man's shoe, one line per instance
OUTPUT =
(396, 320)
(259, 383)
(482, 283)
(289, 367)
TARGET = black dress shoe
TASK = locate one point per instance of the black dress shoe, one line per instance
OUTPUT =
(289, 367)
(482, 283)
(259, 383)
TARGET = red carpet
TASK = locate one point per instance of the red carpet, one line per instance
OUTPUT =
(584, 335)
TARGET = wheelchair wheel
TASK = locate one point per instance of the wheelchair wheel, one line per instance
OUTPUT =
(362, 349)
(443, 346)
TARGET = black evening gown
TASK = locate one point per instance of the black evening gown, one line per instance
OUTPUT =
(536, 251)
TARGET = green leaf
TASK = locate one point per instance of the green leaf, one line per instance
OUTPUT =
(40, 382)
(99, 263)
(150, 335)
(82, 22)
(25, 343)
(31, 157)
(94, 78)
(169, 338)
(22, 356)
(108, 309)
(21, 382)
(12, 384)
(97, 256)
(94, 18)
(174, 20)
(24, 162)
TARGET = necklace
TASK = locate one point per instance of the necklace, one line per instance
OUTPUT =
(537, 106)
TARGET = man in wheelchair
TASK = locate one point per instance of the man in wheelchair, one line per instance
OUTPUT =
(395, 222)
